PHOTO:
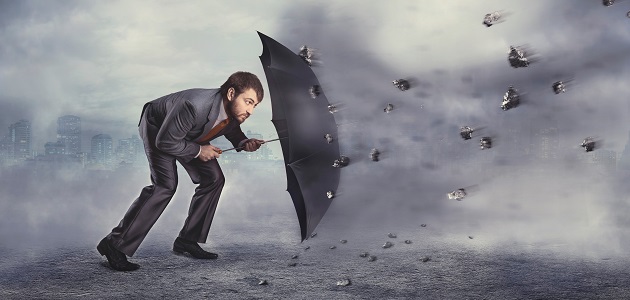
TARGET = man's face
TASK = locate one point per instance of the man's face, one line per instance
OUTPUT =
(242, 106)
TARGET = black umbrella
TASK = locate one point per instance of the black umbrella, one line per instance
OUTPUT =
(307, 132)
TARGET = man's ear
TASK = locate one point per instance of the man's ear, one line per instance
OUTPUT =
(230, 94)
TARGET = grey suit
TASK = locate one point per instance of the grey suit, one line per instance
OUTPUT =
(171, 128)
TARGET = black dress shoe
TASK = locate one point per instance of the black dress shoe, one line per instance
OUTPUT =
(117, 260)
(183, 246)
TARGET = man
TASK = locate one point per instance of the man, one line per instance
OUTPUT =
(178, 127)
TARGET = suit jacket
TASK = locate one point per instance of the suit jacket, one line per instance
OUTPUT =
(184, 117)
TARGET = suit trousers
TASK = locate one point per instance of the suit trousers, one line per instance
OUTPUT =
(153, 199)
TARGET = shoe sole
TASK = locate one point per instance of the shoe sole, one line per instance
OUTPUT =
(102, 249)
(182, 251)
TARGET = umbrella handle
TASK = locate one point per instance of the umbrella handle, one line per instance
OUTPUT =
(237, 148)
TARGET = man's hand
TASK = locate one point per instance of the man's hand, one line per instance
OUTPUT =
(252, 145)
(209, 152)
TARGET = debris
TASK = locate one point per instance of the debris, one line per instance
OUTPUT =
(372, 258)
(330, 194)
(344, 282)
(490, 18)
(425, 259)
(391, 235)
(423, 225)
(407, 242)
(401, 84)
(374, 154)
(329, 138)
(511, 99)
(458, 194)
(558, 87)
(314, 90)
(307, 247)
(333, 247)
(517, 58)
(387, 245)
(608, 2)
(466, 132)
(341, 162)
(307, 54)
(262, 282)
(343, 241)
(588, 144)
(332, 109)
(485, 143)
(388, 108)
(292, 264)
(294, 256)
(470, 237)
(364, 254)
(314, 234)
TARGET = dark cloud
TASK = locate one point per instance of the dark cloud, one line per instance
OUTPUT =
(406, 185)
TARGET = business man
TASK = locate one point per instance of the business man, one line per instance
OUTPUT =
(179, 127)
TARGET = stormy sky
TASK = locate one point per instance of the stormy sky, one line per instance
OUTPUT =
(103, 60)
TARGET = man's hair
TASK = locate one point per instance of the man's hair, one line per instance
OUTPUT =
(242, 81)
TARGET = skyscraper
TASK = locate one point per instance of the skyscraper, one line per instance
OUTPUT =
(69, 134)
(102, 149)
(546, 143)
(624, 161)
(20, 139)
(129, 150)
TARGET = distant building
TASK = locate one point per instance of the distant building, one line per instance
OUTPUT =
(6, 150)
(102, 150)
(129, 150)
(54, 148)
(545, 143)
(263, 153)
(624, 160)
(20, 140)
(604, 159)
(69, 134)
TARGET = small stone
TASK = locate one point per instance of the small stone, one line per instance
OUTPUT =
(407, 242)
(314, 234)
(387, 245)
(343, 241)
(294, 256)
(372, 258)
(425, 259)
(391, 235)
(423, 225)
(293, 264)
(470, 237)
(262, 282)
(364, 254)
(307, 247)
(344, 282)
(333, 247)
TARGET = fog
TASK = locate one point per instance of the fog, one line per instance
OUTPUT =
(459, 71)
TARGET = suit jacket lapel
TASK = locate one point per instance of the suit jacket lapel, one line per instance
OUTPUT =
(212, 115)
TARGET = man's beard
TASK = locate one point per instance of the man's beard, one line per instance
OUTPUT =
(231, 110)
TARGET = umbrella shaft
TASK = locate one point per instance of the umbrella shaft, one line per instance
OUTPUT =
(236, 148)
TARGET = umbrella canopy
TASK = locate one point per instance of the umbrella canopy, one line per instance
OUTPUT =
(302, 122)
